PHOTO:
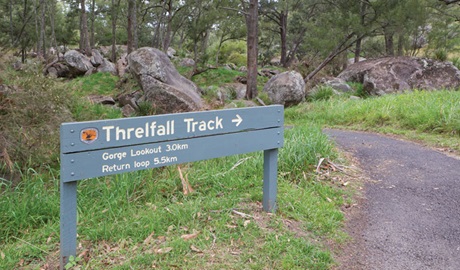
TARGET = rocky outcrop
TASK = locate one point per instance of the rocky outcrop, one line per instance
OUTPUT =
(337, 84)
(397, 74)
(74, 64)
(287, 88)
(78, 63)
(163, 86)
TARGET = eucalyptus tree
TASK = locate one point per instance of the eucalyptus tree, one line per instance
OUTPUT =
(443, 30)
(277, 12)
(18, 27)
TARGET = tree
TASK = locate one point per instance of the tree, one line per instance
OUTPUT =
(84, 36)
(114, 29)
(132, 26)
(252, 15)
(41, 48)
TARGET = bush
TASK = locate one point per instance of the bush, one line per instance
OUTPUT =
(30, 117)
(440, 55)
(321, 93)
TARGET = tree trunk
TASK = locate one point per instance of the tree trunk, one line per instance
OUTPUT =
(400, 44)
(338, 50)
(283, 33)
(114, 30)
(84, 36)
(252, 40)
(363, 22)
(357, 50)
(167, 35)
(10, 6)
(389, 44)
(52, 10)
(131, 11)
(93, 19)
(41, 49)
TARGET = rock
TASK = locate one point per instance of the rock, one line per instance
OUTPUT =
(275, 61)
(187, 62)
(352, 60)
(242, 79)
(338, 84)
(231, 91)
(397, 74)
(163, 86)
(52, 72)
(287, 88)
(78, 63)
(171, 52)
(129, 99)
(100, 99)
(96, 58)
(240, 104)
(57, 70)
(107, 66)
(128, 111)
(17, 65)
(122, 65)
(268, 73)
(243, 69)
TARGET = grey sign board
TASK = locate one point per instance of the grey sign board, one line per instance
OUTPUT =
(98, 148)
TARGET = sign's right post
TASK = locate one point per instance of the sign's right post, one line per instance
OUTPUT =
(270, 185)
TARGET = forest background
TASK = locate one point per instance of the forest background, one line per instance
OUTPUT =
(302, 34)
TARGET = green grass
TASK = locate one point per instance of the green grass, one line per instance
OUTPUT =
(121, 212)
(101, 83)
(433, 117)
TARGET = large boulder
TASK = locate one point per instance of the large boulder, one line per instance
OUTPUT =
(163, 86)
(107, 66)
(78, 63)
(397, 74)
(287, 88)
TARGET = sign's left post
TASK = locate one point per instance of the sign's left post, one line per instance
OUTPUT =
(68, 221)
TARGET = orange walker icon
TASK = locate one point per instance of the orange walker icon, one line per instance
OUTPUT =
(89, 135)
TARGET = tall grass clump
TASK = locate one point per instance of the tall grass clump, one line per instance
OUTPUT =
(423, 111)
(321, 93)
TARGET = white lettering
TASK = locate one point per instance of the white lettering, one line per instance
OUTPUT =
(139, 132)
(145, 131)
(119, 156)
(115, 168)
(192, 125)
(189, 121)
(120, 131)
(107, 129)
(219, 123)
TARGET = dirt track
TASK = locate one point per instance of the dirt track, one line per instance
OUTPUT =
(410, 215)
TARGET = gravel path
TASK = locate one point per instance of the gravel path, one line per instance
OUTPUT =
(410, 215)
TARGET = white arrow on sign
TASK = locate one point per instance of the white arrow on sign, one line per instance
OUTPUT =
(237, 120)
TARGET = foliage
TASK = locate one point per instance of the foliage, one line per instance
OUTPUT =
(232, 52)
(30, 117)
(216, 77)
(321, 93)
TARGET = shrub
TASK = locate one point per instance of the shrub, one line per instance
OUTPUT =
(440, 55)
(321, 93)
(31, 114)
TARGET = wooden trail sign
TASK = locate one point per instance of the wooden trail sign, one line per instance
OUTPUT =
(99, 148)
